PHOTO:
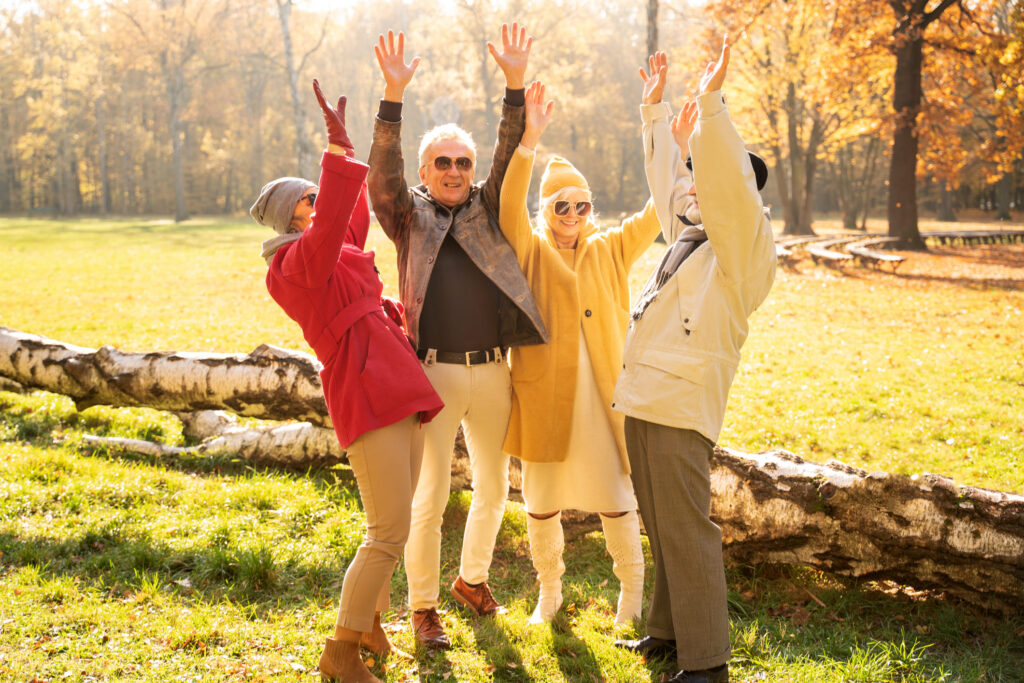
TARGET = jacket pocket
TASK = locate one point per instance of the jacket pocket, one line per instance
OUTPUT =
(689, 368)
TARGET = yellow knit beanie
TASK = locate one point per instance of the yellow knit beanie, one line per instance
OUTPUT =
(558, 174)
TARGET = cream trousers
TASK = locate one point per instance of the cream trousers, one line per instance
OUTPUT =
(480, 398)
(386, 464)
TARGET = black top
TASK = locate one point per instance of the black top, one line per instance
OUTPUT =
(460, 309)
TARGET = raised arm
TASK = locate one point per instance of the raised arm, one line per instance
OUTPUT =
(667, 176)
(341, 214)
(512, 60)
(386, 181)
(730, 204)
(391, 59)
(514, 216)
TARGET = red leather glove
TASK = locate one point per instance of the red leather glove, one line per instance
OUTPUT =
(394, 310)
(335, 120)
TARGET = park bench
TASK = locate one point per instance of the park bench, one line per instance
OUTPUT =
(864, 251)
(784, 255)
(786, 246)
(966, 237)
(822, 251)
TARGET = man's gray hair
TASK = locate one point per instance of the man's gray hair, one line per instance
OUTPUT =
(448, 131)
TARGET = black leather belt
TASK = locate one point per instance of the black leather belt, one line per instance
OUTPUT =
(431, 356)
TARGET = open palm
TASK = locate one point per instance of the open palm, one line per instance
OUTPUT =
(514, 55)
(391, 58)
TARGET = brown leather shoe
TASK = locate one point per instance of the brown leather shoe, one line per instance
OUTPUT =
(426, 624)
(477, 599)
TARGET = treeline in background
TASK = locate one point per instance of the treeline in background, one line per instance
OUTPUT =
(182, 107)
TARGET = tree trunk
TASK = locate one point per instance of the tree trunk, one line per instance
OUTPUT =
(101, 156)
(946, 212)
(1004, 189)
(925, 532)
(292, 446)
(652, 26)
(270, 383)
(302, 156)
(903, 166)
(810, 170)
(791, 203)
(175, 100)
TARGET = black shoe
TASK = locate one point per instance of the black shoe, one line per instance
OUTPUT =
(648, 646)
(720, 674)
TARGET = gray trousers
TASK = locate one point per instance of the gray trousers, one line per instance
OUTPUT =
(671, 476)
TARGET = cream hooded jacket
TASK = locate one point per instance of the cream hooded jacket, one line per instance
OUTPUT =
(682, 349)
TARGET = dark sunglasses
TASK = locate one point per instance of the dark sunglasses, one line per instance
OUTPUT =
(311, 198)
(444, 163)
(582, 208)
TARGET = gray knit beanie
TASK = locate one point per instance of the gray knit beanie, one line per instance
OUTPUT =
(276, 204)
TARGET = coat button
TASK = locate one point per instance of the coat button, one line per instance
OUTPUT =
(687, 332)
(430, 259)
(419, 300)
(587, 313)
(686, 320)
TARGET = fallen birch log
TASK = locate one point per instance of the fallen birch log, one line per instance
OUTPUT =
(296, 446)
(774, 507)
(923, 531)
(269, 383)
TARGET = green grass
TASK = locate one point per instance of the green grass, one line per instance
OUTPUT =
(198, 568)
(137, 568)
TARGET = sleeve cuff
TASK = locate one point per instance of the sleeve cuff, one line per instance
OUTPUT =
(344, 166)
(649, 113)
(710, 103)
(390, 111)
(522, 150)
(515, 98)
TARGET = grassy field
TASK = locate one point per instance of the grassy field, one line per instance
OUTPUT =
(116, 568)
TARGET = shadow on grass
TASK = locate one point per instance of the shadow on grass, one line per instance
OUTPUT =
(496, 644)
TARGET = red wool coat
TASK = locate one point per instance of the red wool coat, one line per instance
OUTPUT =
(326, 282)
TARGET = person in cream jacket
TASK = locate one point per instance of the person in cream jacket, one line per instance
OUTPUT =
(681, 353)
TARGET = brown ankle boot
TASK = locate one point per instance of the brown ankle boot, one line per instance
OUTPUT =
(340, 661)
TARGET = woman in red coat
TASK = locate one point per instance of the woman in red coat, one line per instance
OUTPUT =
(376, 392)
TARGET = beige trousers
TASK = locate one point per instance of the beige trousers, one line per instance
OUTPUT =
(480, 398)
(386, 464)
(672, 478)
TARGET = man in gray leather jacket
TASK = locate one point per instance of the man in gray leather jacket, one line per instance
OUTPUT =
(466, 302)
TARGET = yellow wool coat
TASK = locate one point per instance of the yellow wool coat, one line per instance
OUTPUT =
(594, 290)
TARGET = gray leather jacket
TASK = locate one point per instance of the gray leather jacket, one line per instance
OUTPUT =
(418, 225)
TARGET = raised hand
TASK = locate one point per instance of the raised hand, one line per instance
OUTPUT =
(391, 58)
(714, 74)
(335, 120)
(514, 55)
(538, 115)
(654, 82)
(682, 125)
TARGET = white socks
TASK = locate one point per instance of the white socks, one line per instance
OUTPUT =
(546, 545)
(622, 537)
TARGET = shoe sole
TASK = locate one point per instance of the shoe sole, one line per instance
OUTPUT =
(433, 644)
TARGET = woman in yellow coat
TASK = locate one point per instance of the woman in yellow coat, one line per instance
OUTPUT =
(563, 427)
